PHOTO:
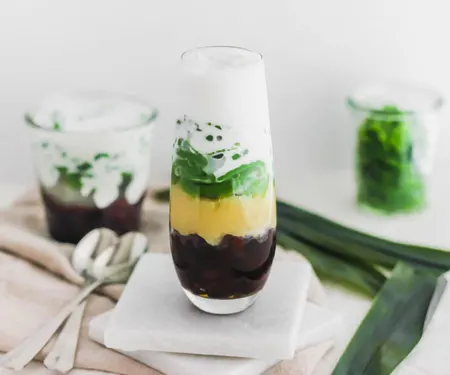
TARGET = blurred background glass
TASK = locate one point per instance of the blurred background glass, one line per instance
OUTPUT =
(91, 152)
(397, 129)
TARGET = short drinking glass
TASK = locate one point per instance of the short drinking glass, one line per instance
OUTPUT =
(91, 152)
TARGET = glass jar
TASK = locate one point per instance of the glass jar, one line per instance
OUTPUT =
(91, 152)
(222, 198)
(397, 129)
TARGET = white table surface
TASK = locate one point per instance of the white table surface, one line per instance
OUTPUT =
(331, 195)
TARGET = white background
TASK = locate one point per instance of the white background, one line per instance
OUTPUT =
(316, 52)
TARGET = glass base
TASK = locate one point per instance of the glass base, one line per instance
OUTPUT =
(221, 306)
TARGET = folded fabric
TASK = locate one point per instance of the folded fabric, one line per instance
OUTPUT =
(30, 294)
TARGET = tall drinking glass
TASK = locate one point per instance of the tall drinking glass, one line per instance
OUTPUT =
(91, 152)
(222, 198)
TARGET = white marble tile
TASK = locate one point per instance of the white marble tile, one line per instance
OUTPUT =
(318, 325)
(154, 314)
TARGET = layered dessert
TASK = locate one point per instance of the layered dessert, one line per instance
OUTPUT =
(92, 154)
(222, 199)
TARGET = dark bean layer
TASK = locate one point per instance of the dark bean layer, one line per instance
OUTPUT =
(235, 268)
(69, 223)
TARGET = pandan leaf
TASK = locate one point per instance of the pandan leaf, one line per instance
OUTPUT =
(162, 195)
(393, 325)
(316, 236)
(358, 245)
(351, 274)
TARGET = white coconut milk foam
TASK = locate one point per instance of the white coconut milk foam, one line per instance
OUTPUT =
(89, 111)
(226, 86)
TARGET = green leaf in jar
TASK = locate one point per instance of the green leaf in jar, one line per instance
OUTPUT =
(83, 167)
(387, 175)
(101, 155)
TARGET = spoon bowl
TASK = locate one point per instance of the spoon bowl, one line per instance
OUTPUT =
(90, 247)
(116, 263)
(102, 258)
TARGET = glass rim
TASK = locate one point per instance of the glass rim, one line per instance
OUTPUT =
(435, 98)
(185, 53)
(149, 121)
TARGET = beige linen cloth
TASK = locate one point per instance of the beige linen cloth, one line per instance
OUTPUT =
(30, 294)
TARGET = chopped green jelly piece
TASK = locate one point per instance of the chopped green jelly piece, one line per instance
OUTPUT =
(190, 169)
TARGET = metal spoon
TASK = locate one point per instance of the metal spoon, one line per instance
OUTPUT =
(136, 243)
(128, 250)
(62, 356)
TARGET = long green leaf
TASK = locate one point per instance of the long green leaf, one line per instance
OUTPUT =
(387, 249)
(161, 195)
(351, 249)
(393, 325)
(329, 267)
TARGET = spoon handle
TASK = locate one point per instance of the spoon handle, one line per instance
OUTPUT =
(20, 356)
(62, 356)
